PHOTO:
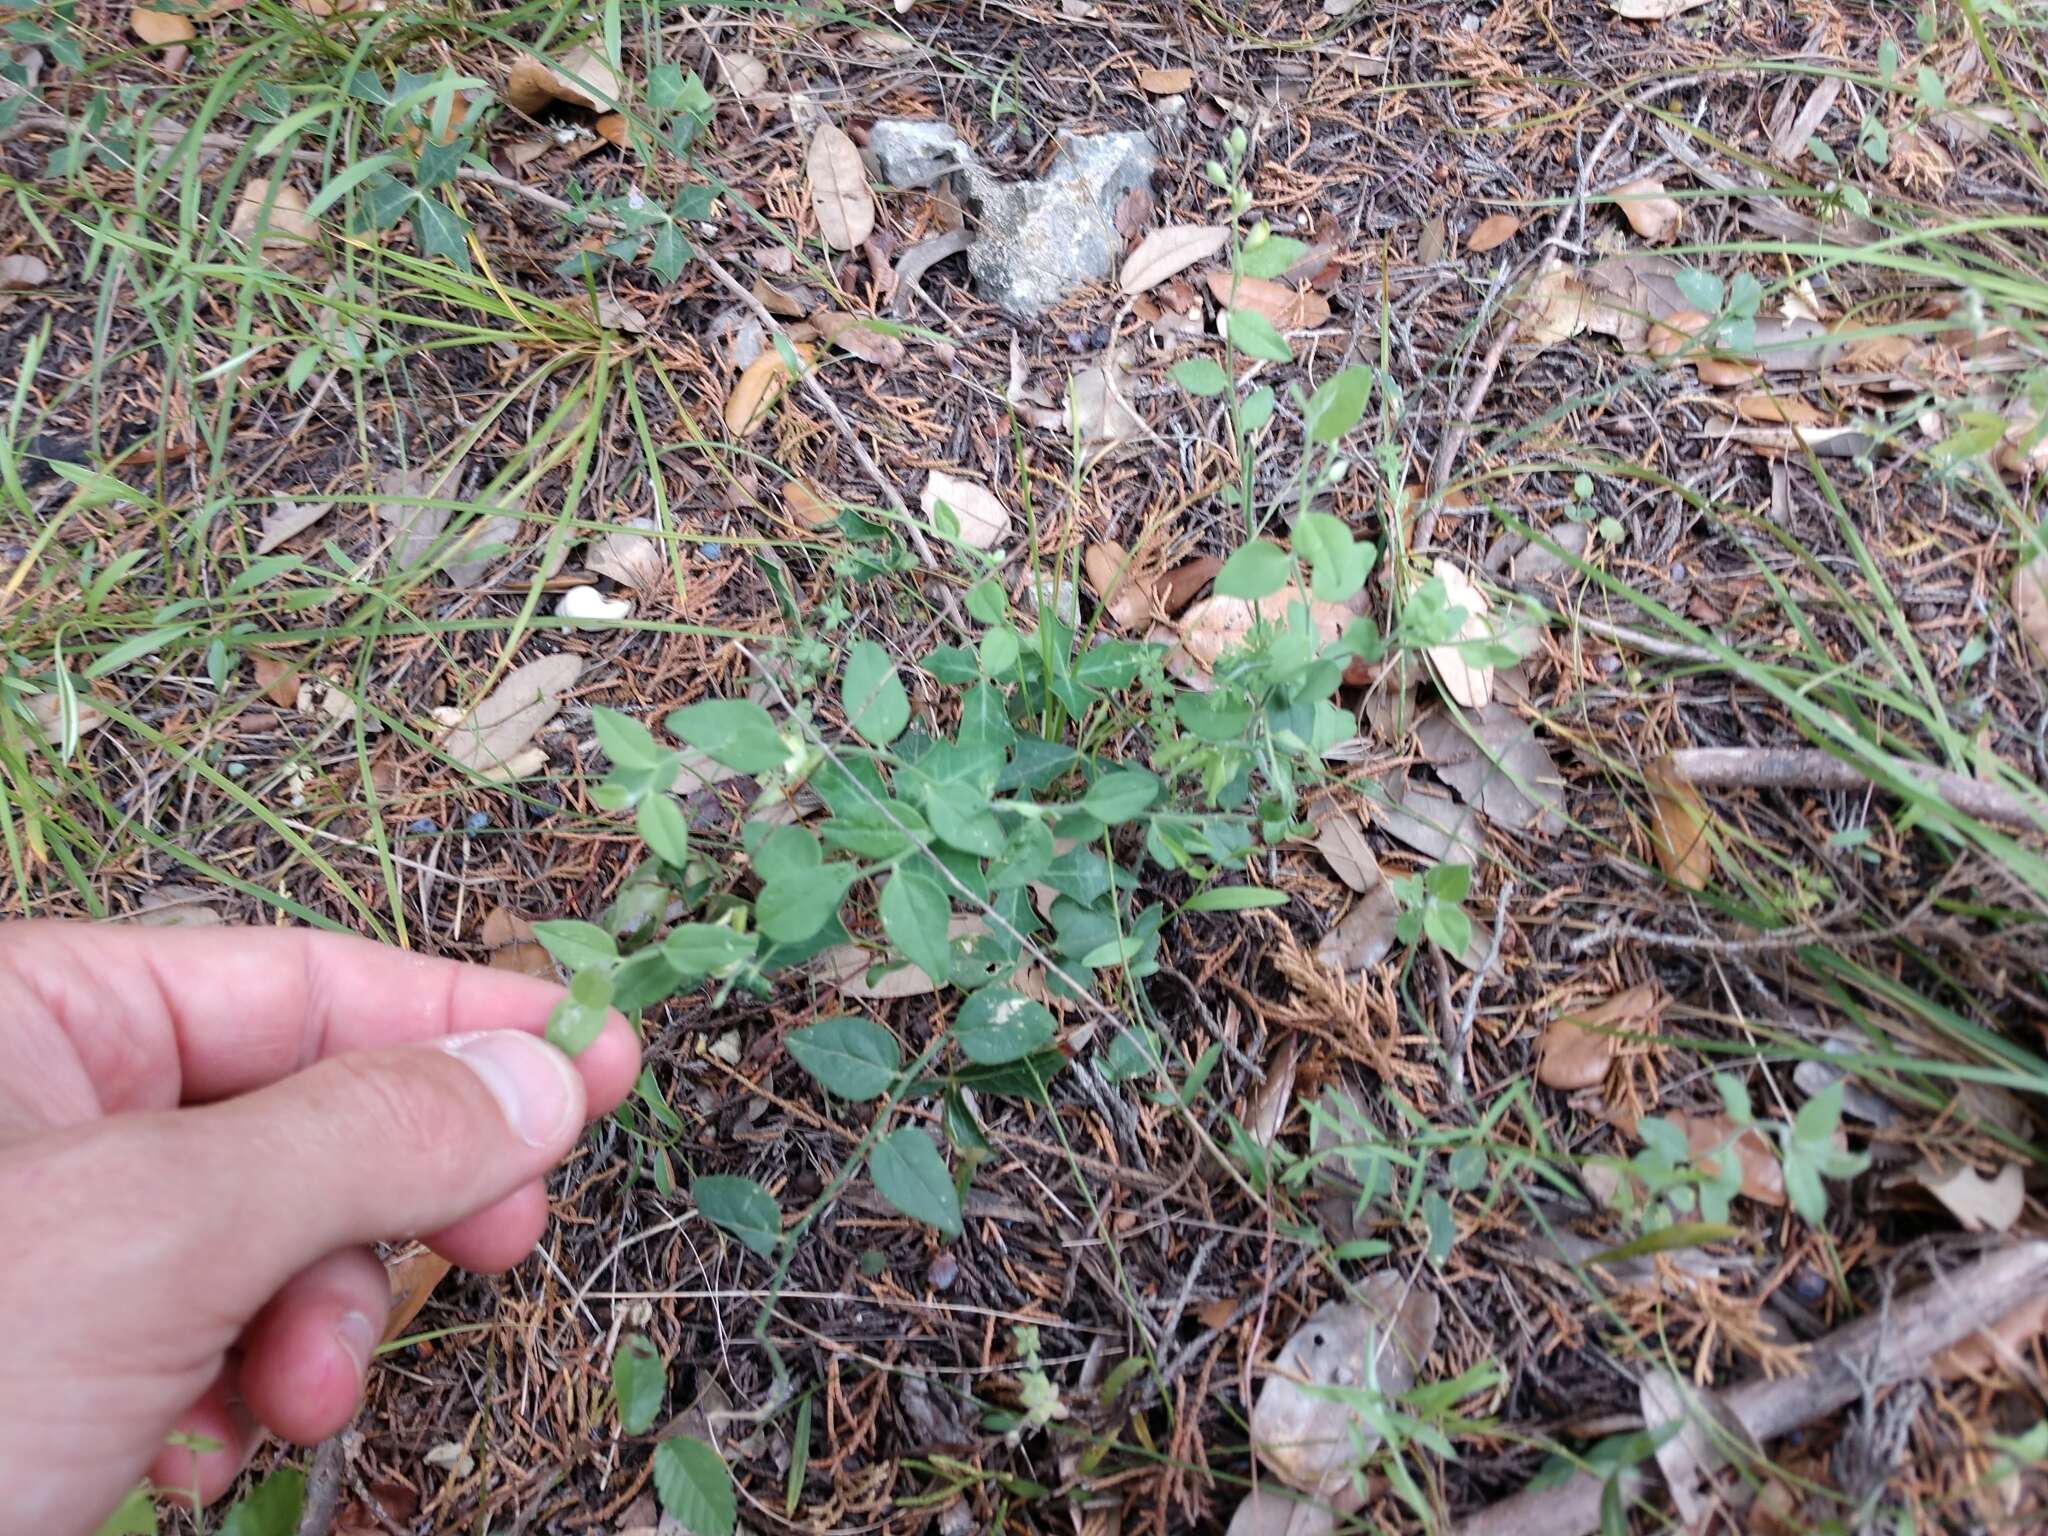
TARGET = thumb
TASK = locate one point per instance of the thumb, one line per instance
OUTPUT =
(234, 1198)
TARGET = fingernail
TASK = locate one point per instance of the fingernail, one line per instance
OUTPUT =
(534, 1084)
(357, 1336)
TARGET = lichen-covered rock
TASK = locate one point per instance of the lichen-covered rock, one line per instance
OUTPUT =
(915, 151)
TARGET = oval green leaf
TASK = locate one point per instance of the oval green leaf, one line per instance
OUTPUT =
(639, 1383)
(695, 1486)
(852, 1057)
(910, 1175)
(871, 694)
(741, 1207)
(997, 1025)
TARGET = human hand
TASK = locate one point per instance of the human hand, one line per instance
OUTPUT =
(201, 1132)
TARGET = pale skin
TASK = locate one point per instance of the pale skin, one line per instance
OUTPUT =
(201, 1134)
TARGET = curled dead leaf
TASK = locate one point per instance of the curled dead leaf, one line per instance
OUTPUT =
(1649, 212)
(1311, 1441)
(23, 270)
(1980, 1204)
(1554, 307)
(1164, 252)
(582, 79)
(1722, 372)
(2030, 602)
(1762, 1178)
(1999, 1347)
(162, 29)
(278, 212)
(852, 334)
(497, 733)
(1679, 819)
(1676, 333)
(1496, 229)
(839, 189)
(1577, 1047)
(1471, 685)
(1184, 583)
(1289, 309)
(47, 710)
(1341, 841)
(628, 556)
(1117, 584)
(744, 75)
(1787, 410)
(1218, 624)
(803, 502)
(759, 386)
(527, 959)
(983, 520)
(278, 679)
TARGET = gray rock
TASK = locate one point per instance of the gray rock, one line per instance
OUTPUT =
(1035, 242)
(916, 151)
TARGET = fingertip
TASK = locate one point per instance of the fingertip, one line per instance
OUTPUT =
(610, 1065)
(206, 1449)
(497, 1237)
(305, 1358)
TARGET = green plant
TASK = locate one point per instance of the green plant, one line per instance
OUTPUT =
(691, 1479)
(1430, 907)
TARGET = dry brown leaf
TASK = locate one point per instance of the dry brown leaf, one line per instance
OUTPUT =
(1996, 1348)
(1272, 1511)
(1311, 1441)
(1649, 212)
(1980, 1204)
(839, 189)
(1693, 1428)
(852, 334)
(1341, 841)
(1676, 333)
(413, 1276)
(1469, 684)
(613, 129)
(1553, 308)
(47, 710)
(984, 521)
(628, 556)
(162, 29)
(1183, 584)
(1679, 819)
(279, 680)
(744, 75)
(23, 270)
(1365, 936)
(854, 972)
(288, 518)
(1218, 624)
(1098, 410)
(803, 502)
(1117, 584)
(1289, 309)
(1495, 229)
(1494, 760)
(495, 733)
(1165, 252)
(1763, 1180)
(1720, 372)
(759, 386)
(527, 959)
(1576, 1047)
(502, 926)
(582, 79)
(1165, 82)
(1786, 410)
(1653, 10)
(283, 223)
(2030, 601)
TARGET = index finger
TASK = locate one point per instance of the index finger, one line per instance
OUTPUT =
(162, 1016)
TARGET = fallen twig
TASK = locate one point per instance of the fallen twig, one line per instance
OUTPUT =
(1812, 768)
(1891, 1345)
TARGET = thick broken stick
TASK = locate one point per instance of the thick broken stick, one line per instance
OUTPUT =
(1891, 1345)
(1811, 768)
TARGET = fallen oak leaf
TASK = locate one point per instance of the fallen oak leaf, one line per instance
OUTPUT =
(23, 270)
(840, 198)
(288, 518)
(277, 213)
(982, 519)
(162, 29)
(1496, 229)
(862, 338)
(760, 384)
(1165, 252)
(582, 79)
(1165, 82)
(1649, 212)
(1112, 576)
(1980, 1204)
(1763, 1180)
(1288, 309)
(1471, 685)
(1552, 308)
(1784, 410)
(1577, 1048)
(1679, 820)
(496, 733)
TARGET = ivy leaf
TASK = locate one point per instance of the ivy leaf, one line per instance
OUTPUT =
(997, 1025)
(695, 1486)
(852, 1057)
(441, 231)
(871, 693)
(639, 1383)
(1258, 570)
(736, 732)
(578, 945)
(910, 1175)
(742, 1207)
(669, 254)
(1256, 336)
(915, 912)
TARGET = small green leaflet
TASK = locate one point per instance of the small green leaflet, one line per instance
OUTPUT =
(1338, 563)
(852, 1057)
(639, 1383)
(134, 1516)
(270, 1509)
(997, 1025)
(1234, 898)
(1256, 411)
(1117, 797)
(1200, 376)
(625, 740)
(741, 1207)
(871, 693)
(704, 949)
(791, 910)
(1256, 336)
(1270, 257)
(1338, 405)
(695, 1486)
(915, 914)
(578, 945)
(664, 829)
(910, 1175)
(736, 732)
(1258, 570)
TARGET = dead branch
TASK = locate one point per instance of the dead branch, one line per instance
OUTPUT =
(1888, 1346)
(1812, 768)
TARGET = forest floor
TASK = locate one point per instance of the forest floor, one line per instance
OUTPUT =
(1613, 994)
